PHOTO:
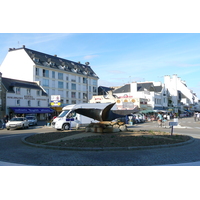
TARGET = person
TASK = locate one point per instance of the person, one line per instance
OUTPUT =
(195, 116)
(198, 116)
(4, 122)
(159, 119)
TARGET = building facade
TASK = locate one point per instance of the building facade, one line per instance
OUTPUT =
(180, 97)
(22, 98)
(73, 81)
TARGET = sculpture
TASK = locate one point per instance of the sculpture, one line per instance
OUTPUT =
(99, 114)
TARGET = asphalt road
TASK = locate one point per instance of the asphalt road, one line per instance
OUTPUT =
(12, 150)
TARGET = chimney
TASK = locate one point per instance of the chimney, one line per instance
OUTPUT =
(55, 55)
(23, 46)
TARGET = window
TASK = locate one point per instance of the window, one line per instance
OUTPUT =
(38, 103)
(17, 90)
(53, 84)
(73, 94)
(28, 91)
(73, 86)
(84, 96)
(37, 71)
(45, 82)
(38, 92)
(18, 102)
(45, 73)
(60, 84)
(95, 82)
(67, 94)
(84, 80)
(67, 101)
(73, 78)
(53, 74)
(60, 76)
(94, 89)
(29, 102)
(73, 101)
(79, 95)
(67, 86)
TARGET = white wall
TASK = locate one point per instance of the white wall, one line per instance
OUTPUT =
(17, 65)
(11, 99)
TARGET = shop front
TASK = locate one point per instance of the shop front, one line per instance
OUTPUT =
(41, 113)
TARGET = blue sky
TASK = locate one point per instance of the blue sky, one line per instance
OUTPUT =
(120, 58)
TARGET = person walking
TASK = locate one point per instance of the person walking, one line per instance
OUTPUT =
(4, 121)
(159, 119)
(195, 116)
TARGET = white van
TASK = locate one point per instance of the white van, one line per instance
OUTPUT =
(68, 118)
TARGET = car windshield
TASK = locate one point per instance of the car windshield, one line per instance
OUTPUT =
(30, 117)
(17, 119)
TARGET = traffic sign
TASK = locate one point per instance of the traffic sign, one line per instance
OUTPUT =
(173, 123)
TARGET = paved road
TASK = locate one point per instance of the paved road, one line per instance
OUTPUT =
(12, 150)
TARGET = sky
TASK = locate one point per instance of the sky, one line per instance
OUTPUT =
(120, 58)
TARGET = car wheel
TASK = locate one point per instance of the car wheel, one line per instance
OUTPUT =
(65, 127)
(8, 129)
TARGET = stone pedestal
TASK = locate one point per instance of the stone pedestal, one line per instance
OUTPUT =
(106, 127)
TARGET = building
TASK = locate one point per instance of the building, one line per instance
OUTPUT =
(23, 97)
(73, 81)
(149, 95)
(173, 95)
(180, 98)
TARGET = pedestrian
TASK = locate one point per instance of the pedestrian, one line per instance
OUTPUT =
(198, 116)
(4, 120)
(195, 116)
(159, 119)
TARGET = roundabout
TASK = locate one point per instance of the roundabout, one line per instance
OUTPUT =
(90, 141)
(13, 150)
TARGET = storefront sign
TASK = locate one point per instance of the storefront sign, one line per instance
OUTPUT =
(55, 100)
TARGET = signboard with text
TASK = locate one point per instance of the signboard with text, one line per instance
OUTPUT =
(55, 100)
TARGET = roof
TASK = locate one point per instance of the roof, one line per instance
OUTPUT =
(9, 84)
(148, 86)
(123, 89)
(55, 62)
(102, 90)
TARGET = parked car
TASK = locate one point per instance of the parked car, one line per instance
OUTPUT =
(17, 122)
(32, 120)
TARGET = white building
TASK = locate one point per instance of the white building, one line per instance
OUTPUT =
(74, 82)
(153, 94)
(24, 97)
(181, 97)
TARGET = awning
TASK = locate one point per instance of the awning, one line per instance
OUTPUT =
(25, 110)
(147, 111)
(58, 109)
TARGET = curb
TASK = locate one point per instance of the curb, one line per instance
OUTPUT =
(107, 148)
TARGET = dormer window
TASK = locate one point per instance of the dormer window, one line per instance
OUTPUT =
(36, 59)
